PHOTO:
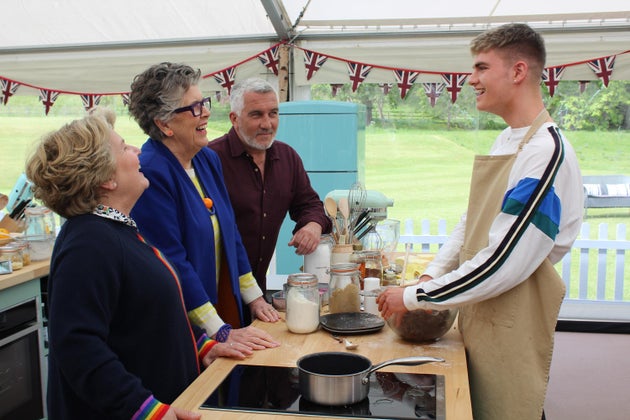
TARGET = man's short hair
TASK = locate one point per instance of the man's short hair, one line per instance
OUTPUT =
(516, 41)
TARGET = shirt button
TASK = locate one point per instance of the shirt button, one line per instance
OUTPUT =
(255, 169)
(264, 214)
(264, 237)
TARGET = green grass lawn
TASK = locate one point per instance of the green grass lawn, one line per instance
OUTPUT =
(425, 172)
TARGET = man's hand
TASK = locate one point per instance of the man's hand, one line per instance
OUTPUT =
(307, 238)
(391, 301)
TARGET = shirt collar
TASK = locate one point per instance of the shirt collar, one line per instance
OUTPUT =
(111, 213)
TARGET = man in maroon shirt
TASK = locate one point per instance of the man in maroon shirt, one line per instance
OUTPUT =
(266, 179)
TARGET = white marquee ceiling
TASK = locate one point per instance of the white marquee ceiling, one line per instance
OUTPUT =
(91, 46)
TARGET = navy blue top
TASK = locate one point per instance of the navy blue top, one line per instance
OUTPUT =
(117, 324)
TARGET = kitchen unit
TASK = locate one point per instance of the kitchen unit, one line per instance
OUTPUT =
(22, 355)
(450, 377)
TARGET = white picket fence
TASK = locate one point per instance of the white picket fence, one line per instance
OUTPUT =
(590, 298)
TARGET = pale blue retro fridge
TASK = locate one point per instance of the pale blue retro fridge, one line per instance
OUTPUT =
(329, 136)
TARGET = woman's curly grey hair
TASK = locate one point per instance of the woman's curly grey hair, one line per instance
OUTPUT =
(157, 92)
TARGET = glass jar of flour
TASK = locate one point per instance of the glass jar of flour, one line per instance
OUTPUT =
(302, 303)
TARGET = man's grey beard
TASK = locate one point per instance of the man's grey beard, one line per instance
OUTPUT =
(251, 142)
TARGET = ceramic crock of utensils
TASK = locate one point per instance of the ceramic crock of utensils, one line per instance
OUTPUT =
(339, 378)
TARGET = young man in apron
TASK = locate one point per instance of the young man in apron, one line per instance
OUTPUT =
(524, 212)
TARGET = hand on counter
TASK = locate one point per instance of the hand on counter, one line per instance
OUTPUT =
(262, 310)
(233, 350)
(175, 413)
(251, 337)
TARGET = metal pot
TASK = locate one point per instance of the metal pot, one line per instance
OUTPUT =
(336, 378)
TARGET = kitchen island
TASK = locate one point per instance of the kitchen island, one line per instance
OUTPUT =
(378, 347)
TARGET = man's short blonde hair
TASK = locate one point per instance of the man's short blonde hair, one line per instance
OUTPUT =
(515, 41)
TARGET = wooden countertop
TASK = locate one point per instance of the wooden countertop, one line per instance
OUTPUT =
(32, 271)
(378, 347)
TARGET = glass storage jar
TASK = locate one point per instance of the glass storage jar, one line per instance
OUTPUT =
(302, 300)
(344, 288)
(40, 232)
(318, 261)
(13, 253)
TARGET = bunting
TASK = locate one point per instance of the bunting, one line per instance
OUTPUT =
(385, 88)
(125, 98)
(335, 88)
(270, 59)
(9, 87)
(90, 101)
(313, 61)
(603, 67)
(357, 72)
(454, 83)
(48, 98)
(405, 79)
(551, 77)
(226, 78)
(433, 91)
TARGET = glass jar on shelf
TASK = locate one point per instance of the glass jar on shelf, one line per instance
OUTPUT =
(344, 288)
(302, 301)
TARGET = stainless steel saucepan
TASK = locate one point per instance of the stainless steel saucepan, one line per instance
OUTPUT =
(337, 378)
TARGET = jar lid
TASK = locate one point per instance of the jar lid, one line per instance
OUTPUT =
(9, 248)
(37, 211)
(302, 279)
(344, 267)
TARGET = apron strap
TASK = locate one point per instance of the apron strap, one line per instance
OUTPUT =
(538, 122)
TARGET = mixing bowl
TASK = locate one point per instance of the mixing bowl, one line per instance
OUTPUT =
(422, 325)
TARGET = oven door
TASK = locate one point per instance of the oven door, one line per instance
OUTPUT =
(20, 380)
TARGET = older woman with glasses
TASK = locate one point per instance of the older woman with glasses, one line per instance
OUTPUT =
(186, 210)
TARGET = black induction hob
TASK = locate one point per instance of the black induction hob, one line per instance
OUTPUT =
(271, 389)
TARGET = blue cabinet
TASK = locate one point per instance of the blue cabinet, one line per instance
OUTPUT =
(330, 138)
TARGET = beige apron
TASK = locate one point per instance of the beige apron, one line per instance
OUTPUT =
(509, 338)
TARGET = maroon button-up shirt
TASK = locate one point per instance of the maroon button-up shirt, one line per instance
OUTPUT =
(260, 206)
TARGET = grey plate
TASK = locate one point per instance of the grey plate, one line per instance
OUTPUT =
(351, 323)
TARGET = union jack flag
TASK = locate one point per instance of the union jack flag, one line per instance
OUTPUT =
(357, 72)
(551, 77)
(90, 101)
(385, 87)
(8, 89)
(270, 59)
(454, 83)
(313, 61)
(125, 98)
(583, 84)
(48, 98)
(433, 91)
(226, 78)
(335, 88)
(603, 67)
(405, 80)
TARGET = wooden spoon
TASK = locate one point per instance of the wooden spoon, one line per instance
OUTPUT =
(344, 209)
(331, 208)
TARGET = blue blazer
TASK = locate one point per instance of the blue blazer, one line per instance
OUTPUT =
(172, 216)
